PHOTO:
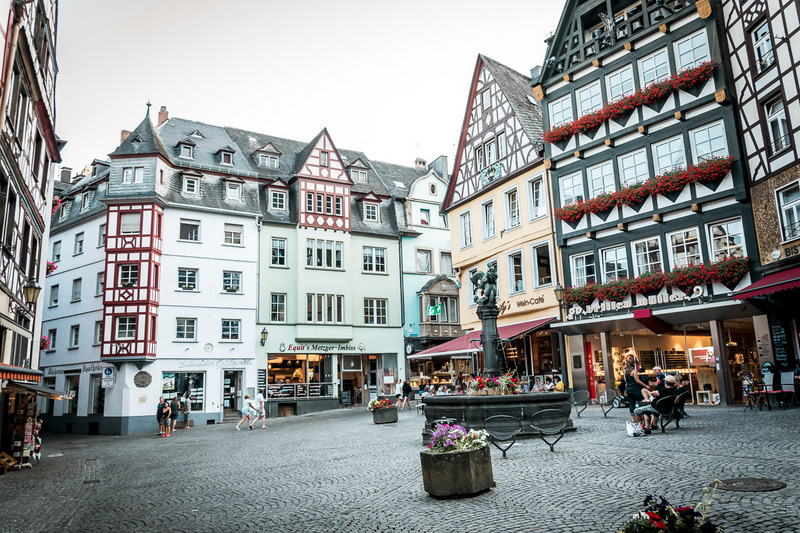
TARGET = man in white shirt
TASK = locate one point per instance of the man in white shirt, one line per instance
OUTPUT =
(259, 403)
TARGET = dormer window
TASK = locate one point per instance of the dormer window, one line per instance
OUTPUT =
(226, 158)
(191, 185)
(371, 212)
(277, 200)
(187, 151)
(323, 159)
(133, 175)
(94, 171)
(359, 175)
(84, 201)
(233, 191)
(268, 161)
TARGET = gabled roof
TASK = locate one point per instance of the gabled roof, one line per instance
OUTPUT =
(516, 88)
(302, 157)
(186, 141)
(268, 148)
(143, 140)
(226, 148)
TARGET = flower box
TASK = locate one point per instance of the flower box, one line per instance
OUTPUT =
(384, 416)
(457, 473)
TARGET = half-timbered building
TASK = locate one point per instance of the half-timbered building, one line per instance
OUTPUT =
(498, 204)
(653, 218)
(762, 39)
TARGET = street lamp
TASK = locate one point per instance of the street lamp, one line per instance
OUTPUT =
(559, 292)
(30, 293)
(264, 334)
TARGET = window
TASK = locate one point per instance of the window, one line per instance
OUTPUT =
(74, 336)
(320, 207)
(620, 83)
(490, 152)
(727, 239)
(78, 249)
(278, 252)
(97, 395)
(583, 270)
(54, 295)
(446, 263)
(84, 201)
(62, 211)
(762, 45)
(189, 230)
(226, 158)
(338, 203)
(542, 273)
(186, 329)
(601, 178)
(465, 229)
(479, 157)
(76, 289)
(98, 332)
(133, 175)
(187, 151)
(370, 212)
(231, 329)
(191, 185)
(56, 251)
(187, 279)
(101, 236)
(561, 111)
(647, 256)
(277, 308)
(708, 142)
(424, 261)
(537, 198)
(374, 259)
(323, 159)
(233, 191)
(425, 217)
(789, 204)
(448, 312)
(233, 234)
(328, 204)
(126, 327)
(571, 189)
(278, 200)
(269, 161)
(100, 284)
(684, 248)
(654, 68)
(501, 145)
(589, 99)
(53, 335)
(487, 220)
(778, 127)
(358, 175)
(231, 281)
(324, 254)
(512, 209)
(516, 279)
(128, 275)
(633, 168)
(374, 311)
(669, 155)
(486, 100)
(130, 223)
(322, 308)
(309, 202)
(691, 51)
(615, 264)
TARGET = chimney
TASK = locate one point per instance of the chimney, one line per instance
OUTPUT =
(163, 115)
(123, 136)
(65, 174)
(420, 164)
(535, 72)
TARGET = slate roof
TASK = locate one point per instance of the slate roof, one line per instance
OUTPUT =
(142, 141)
(517, 88)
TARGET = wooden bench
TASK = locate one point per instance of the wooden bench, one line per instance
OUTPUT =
(6, 462)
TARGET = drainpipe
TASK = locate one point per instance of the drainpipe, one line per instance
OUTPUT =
(402, 307)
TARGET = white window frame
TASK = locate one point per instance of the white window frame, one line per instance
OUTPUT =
(516, 278)
(186, 151)
(696, 54)
(189, 326)
(278, 250)
(74, 336)
(233, 191)
(671, 145)
(465, 229)
(633, 167)
(579, 273)
(188, 279)
(56, 256)
(230, 330)
(511, 208)
(277, 200)
(781, 139)
(126, 226)
(323, 158)
(502, 149)
(84, 201)
(195, 223)
(421, 253)
(443, 263)
(425, 217)
(78, 246)
(488, 224)
(590, 98)
(537, 197)
(77, 289)
(358, 175)
(371, 212)
(128, 274)
(232, 278)
(226, 158)
(601, 178)
(191, 185)
(709, 135)
(606, 276)
(100, 284)
(490, 152)
(471, 294)
(617, 81)
(376, 311)
(654, 68)
(679, 255)
(726, 251)
(537, 282)
(561, 111)
(570, 183)
(98, 333)
(233, 234)
(373, 260)
(638, 266)
(132, 175)
(766, 58)
(479, 157)
(53, 295)
(53, 336)
(101, 236)
(790, 211)
(277, 307)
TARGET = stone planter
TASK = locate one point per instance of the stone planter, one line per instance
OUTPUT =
(457, 474)
(384, 416)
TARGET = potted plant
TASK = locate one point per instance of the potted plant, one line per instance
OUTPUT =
(230, 288)
(457, 462)
(51, 267)
(383, 411)
(508, 384)
(660, 516)
(44, 343)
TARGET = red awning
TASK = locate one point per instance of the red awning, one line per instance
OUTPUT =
(17, 372)
(780, 281)
(471, 341)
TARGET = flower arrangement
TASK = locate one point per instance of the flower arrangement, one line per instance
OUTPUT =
(476, 385)
(56, 203)
(44, 343)
(671, 181)
(455, 438)
(51, 267)
(660, 516)
(728, 271)
(619, 108)
(374, 405)
(507, 383)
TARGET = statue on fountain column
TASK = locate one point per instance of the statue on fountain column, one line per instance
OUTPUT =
(485, 287)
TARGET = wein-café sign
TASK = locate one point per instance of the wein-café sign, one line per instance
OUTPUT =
(637, 300)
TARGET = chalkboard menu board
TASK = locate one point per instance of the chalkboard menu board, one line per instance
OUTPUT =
(780, 346)
(281, 391)
(314, 390)
(262, 378)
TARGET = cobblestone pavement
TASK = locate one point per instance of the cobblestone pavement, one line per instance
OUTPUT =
(337, 471)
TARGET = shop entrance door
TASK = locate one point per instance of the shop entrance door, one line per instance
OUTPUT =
(353, 378)
(232, 391)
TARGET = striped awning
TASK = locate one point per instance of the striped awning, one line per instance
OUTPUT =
(19, 373)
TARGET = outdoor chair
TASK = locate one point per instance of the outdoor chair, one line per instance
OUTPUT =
(503, 431)
(580, 398)
(670, 409)
(606, 400)
(548, 423)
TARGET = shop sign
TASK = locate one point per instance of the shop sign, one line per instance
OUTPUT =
(637, 300)
(702, 356)
(321, 348)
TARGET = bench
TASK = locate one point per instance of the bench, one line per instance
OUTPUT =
(502, 429)
(670, 409)
(549, 422)
(6, 462)
(580, 398)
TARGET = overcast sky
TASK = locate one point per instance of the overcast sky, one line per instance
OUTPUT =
(387, 78)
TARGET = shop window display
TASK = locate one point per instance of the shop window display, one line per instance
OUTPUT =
(179, 383)
(299, 376)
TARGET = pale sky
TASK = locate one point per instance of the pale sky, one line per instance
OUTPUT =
(387, 78)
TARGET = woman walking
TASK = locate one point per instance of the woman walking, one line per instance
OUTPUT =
(247, 409)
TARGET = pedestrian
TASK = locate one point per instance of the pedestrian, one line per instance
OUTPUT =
(160, 416)
(166, 413)
(398, 393)
(187, 409)
(406, 390)
(634, 387)
(175, 410)
(247, 409)
(262, 412)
